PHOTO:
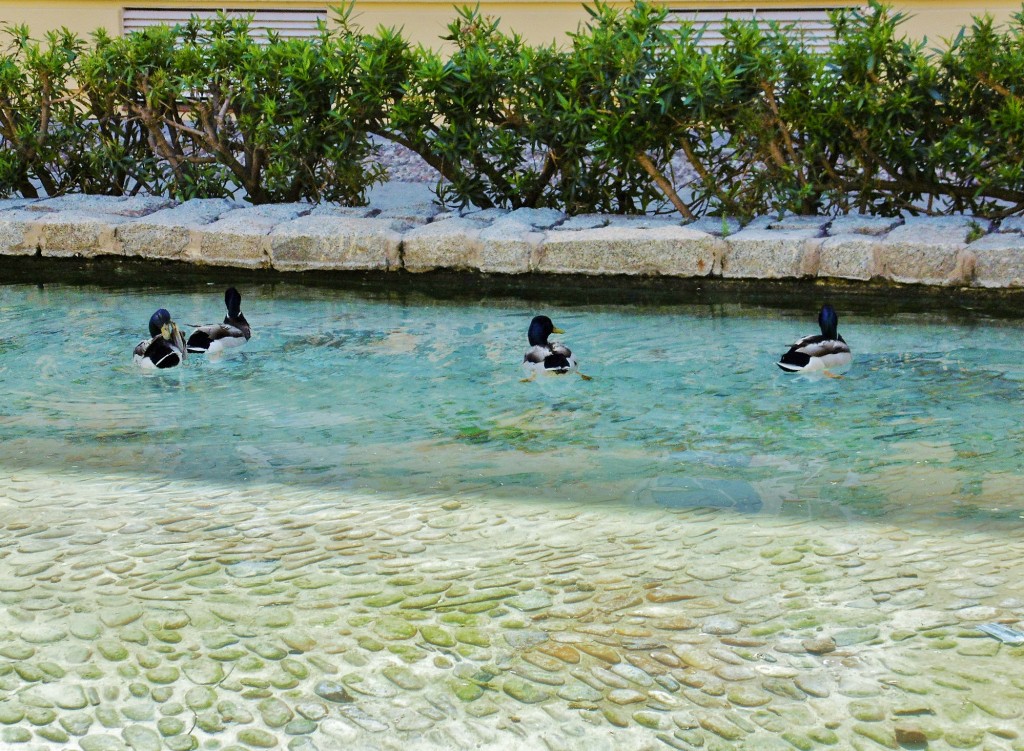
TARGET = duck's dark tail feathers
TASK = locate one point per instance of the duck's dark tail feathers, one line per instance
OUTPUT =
(794, 360)
(198, 341)
(557, 363)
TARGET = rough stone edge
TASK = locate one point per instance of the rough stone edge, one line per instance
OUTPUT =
(962, 274)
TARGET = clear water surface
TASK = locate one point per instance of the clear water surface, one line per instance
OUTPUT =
(685, 407)
(365, 532)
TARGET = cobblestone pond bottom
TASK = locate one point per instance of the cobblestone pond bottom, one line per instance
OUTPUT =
(146, 616)
(365, 532)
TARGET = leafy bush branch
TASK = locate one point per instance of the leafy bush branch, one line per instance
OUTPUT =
(759, 124)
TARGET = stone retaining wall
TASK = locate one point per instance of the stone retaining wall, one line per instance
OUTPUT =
(402, 228)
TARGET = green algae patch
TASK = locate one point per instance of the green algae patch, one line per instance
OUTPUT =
(524, 691)
(407, 652)
(465, 690)
(437, 636)
(257, 738)
(384, 600)
(473, 637)
(394, 629)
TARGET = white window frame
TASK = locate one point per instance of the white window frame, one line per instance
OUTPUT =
(812, 24)
(287, 22)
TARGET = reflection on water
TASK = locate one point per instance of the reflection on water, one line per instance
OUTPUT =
(685, 406)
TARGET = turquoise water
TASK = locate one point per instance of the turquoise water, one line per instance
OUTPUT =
(685, 407)
(365, 532)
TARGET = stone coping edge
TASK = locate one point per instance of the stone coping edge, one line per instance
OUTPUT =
(402, 228)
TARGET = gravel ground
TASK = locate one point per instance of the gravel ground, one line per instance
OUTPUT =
(405, 165)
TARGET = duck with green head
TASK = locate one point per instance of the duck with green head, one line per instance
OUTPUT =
(544, 356)
(218, 337)
(165, 348)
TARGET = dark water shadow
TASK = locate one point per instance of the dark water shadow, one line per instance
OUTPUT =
(880, 299)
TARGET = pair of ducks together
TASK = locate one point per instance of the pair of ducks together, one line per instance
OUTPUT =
(825, 352)
(167, 348)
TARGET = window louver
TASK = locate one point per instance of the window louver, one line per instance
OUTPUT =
(287, 23)
(812, 24)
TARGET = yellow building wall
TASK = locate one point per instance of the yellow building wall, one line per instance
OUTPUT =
(425, 21)
(938, 21)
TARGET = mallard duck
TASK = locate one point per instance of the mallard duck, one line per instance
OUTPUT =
(165, 348)
(217, 337)
(544, 356)
(826, 351)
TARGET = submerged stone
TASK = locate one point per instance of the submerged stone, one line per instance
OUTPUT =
(53, 733)
(121, 616)
(626, 696)
(15, 735)
(575, 691)
(394, 629)
(163, 675)
(866, 711)
(535, 599)
(170, 726)
(880, 734)
(332, 691)
(140, 738)
(203, 672)
(437, 636)
(11, 713)
(607, 654)
(311, 710)
(17, 651)
(721, 727)
(300, 727)
(472, 636)
(466, 690)
(101, 743)
(820, 645)
(747, 696)
(524, 639)
(813, 686)
(848, 637)
(76, 723)
(200, 697)
(257, 738)
(524, 691)
(910, 735)
(43, 634)
(275, 712)
(40, 715)
(404, 677)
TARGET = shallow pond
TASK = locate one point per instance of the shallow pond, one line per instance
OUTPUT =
(367, 531)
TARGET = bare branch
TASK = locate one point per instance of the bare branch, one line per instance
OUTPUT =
(665, 185)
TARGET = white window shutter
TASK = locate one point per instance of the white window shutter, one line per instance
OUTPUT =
(287, 23)
(812, 24)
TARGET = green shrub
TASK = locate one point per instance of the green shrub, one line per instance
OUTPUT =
(284, 120)
(57, 138)
(877, 124)
(982, 148)
(40, 127)
(617, 109)
(465, 115)
(586, 129)
(882, 116)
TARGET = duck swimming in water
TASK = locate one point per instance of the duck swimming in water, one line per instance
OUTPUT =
(217, 337)
(165, 348)
(822, 352)
(544, 356)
